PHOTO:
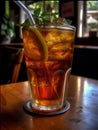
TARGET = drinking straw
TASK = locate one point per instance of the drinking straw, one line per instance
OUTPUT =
(26, 10)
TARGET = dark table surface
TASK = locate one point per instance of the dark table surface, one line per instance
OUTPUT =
(82, 115)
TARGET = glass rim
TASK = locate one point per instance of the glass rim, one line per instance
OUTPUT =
(52, 26)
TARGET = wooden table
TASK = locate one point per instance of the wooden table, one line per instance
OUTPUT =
(82, 115)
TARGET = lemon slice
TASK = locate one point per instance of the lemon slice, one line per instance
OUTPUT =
(34, 44)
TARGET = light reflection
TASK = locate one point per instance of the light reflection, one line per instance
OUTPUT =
(87, 88)
(87, 94)
(79, 82)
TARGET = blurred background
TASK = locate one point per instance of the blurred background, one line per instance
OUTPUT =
(82, 14)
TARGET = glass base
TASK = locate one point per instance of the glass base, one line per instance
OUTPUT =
(31, 110)
(46, 109)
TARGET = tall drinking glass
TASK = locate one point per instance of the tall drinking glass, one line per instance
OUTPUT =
(48, 51)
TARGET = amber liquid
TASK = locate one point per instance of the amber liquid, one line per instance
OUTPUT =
(47, 80)
(46, 76)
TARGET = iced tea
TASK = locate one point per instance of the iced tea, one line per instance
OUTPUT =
(48, 54)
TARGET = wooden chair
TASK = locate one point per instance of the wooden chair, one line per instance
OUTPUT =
(17, 66)
(10, 62)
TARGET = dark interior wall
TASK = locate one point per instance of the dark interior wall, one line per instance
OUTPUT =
(2, 10)
(85, 62)
(68, 9)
